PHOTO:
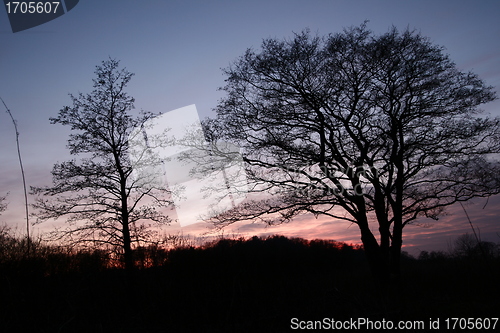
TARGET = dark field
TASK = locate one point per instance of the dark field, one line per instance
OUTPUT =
(238, 286)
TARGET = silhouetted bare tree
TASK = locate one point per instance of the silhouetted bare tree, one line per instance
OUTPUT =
(384, 127)
(467, 245)
(102, 192)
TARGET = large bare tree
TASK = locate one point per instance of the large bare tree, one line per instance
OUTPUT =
(107, 201)
(377, 130)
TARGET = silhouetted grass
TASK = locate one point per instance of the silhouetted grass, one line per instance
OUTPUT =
(234, 285)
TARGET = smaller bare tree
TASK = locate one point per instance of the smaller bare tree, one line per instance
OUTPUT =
(467, 245)
(107, 198)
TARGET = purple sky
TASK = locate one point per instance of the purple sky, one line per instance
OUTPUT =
(176, 49)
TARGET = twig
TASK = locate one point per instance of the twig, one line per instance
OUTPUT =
(24, 179)
(478, 240)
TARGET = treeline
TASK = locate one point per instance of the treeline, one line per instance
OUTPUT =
(46, 259)
(465, 246)
(233, 285)
(272, 252)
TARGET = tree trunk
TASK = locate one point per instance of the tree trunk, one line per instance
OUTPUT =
(127, 248)
(127, 242)
(374, 254)
(397, 243)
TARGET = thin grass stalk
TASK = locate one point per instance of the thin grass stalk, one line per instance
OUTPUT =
(24, 179)
(478, 240)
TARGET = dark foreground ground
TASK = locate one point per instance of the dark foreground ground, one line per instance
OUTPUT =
(244, 286)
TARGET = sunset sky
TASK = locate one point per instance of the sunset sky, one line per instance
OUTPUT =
(177, 49)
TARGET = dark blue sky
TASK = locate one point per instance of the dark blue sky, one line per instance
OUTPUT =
(176, 49)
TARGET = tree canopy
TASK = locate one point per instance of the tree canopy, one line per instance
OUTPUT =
(385, 127)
